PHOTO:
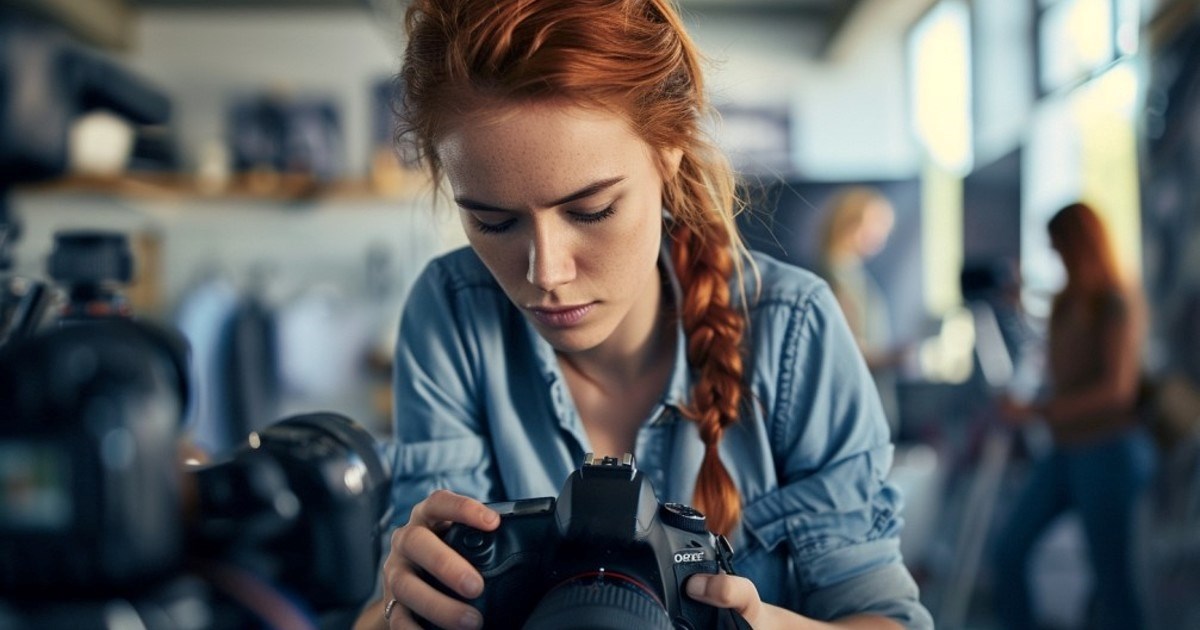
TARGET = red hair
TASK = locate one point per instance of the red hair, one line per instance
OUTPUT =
(1079, 235)
(632, 58)
(1081, 239)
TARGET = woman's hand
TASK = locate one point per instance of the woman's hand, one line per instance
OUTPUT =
(1015, 413)
(740, 595)
(419, 546)
(728, 591)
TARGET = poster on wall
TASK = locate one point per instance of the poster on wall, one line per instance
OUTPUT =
(757, 138)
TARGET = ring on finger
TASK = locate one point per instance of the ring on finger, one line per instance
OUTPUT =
(387, 610)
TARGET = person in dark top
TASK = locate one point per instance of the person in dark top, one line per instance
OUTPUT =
(1101, 458)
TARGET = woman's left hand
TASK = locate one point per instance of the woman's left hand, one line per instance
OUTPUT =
(740, 595)
(728, 591)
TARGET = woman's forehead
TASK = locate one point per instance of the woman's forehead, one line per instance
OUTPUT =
(538, 152)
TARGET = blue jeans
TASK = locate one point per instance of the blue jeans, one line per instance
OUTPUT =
(1102, 482)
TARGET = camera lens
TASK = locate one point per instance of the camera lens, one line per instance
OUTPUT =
(308, 493)
(599, 601)
(342, 484)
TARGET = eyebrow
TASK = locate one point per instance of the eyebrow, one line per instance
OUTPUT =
(586, 191)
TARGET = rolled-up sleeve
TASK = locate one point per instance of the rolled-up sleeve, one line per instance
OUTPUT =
(834, 509)
(439, 433)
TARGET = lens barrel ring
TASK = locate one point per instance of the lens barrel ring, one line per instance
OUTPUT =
(599, 603)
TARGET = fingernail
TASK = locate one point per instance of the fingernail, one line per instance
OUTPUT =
(491, 517)
(470, 620)
(696, 585)
(472, 586)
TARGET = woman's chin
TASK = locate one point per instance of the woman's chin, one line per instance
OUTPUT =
(571, 340)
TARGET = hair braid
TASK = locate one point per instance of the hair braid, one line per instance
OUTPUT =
(703, 254)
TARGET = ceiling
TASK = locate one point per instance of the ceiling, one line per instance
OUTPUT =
(818, 20)
(108, 23)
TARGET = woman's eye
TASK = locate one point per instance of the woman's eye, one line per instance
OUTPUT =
(594, 217)
(493, 228)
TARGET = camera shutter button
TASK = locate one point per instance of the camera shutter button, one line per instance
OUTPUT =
(684, 517)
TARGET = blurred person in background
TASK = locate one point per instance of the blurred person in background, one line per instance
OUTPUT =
(606, 304)
(856, 228)
(1101, 457)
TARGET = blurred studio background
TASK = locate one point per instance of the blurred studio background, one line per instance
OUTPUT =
(273, 223)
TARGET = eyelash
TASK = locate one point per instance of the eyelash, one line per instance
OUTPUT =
(488, 228)
(594, 217)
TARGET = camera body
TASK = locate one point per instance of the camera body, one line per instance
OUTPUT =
(90, 414)
(302, 503)
(102, 523)
(97, 511)
(604, 554)
(94, 500)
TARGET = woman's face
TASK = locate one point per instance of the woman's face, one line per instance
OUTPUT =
(564, 206)
(876, 226)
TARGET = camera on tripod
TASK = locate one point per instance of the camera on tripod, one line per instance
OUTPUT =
(101, 522)
(96, 506)
(604, 555)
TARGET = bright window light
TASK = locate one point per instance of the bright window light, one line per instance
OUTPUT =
(940, 67)
(1076, 38)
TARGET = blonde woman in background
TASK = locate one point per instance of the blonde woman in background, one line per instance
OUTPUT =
(856, 228)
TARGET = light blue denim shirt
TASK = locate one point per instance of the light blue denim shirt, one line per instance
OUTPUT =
(482, 409)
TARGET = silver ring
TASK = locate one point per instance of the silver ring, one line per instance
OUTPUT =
(387, 610)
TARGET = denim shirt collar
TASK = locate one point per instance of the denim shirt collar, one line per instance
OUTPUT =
(678, 387)
(674, 397)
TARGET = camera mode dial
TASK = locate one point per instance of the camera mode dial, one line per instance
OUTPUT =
(683, 517)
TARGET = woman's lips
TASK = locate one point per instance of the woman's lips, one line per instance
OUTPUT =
(561, 317)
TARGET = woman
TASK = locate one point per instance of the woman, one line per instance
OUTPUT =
(1101, 458)
(856, 228)
(593, 312)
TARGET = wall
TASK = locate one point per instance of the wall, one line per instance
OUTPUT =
(203, 58)
(850, 111)
(1004, 80)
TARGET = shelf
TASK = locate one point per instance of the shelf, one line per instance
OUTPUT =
(266, 187)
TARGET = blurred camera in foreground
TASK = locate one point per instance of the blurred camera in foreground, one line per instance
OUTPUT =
(95, 506)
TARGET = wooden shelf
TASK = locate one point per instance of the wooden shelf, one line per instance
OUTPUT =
(266, 187)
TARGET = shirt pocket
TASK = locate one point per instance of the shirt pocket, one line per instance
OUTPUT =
(434, 457)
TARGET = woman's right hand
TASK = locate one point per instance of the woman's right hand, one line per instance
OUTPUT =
(419, 546)
(1014, 413)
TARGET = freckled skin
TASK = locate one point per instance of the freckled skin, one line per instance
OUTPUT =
(524, 159)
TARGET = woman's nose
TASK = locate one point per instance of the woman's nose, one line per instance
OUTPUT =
(551, 263)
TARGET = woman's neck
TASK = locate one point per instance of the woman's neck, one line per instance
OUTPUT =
(642, 346)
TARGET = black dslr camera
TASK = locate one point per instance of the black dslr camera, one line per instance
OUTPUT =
(604, 555)
(98, 511)
(101, 523)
